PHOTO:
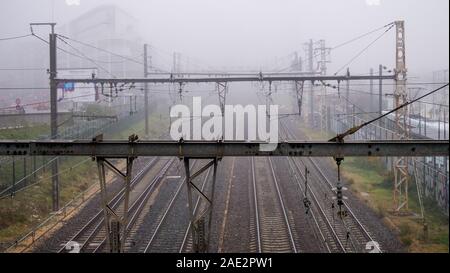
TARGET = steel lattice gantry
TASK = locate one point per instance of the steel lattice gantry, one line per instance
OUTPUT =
(218, 149)
(102, 151)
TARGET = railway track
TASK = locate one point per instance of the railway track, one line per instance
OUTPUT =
(272, 226)
(187, 245)
(171, 231)
(91, 236)
(341, 234)
(172, 234)
(359, 236)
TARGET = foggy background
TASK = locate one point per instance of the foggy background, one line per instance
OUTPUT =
(253, 33)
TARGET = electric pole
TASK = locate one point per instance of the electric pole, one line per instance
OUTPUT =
(53, 108)
(347, 98)
(401, 174)
(310, 58)
(372, 108)
(146, 90)
(380, 98)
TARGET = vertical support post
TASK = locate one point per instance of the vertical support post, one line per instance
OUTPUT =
(104, 198)
(190, 205)
(54, 116)
(13, 188)
(311, 89)
(439, 123)
(329, 127)
(420, 117)
(126, 201)
(34, 169)
(212, 203)
(425, 120)
(146, 91)
(115, 225)
(354, 121)
(222, 91)
(380, 96)
(347, 98)
(200, 227)
(25, 170)
(372, 108)
(400, 200)
(299, 92)
(445, 127)
(116, 244)
(131, 105)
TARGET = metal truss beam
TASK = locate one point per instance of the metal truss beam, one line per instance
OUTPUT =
(213, 149)
(400, 201)
(116, 220)
(225, 79)
(222, 91)
(298, 88)
(200, 221)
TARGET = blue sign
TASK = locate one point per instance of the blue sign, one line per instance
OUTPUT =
(69, 86)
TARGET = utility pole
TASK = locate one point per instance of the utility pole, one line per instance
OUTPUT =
(401, 175)
(53, 108)
(372, 109)
(380, 98)
(347, 98)
(146, 90)
(380, 91)
(176, 63)
(310, 58)
(323, 53)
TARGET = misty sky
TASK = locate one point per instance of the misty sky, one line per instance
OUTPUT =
(253, 32)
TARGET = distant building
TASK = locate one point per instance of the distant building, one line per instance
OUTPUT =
(109, 28)
(106, 27)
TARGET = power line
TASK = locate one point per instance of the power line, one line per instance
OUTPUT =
(44, 102)
(22, 69)
(14, 38)
(61, 49)
(342, 44)
(101, 49)
(362, 36)
(363, 50)
(107, 51)
(86, 57)
(353, 130)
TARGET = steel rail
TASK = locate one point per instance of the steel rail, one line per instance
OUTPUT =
(140, 202)
(169, 207)
(115, 201)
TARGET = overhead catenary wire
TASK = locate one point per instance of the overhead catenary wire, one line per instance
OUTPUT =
(61, 49)
(363, 50)
(353, 130)
(86, 57)
(44, 102)
(109, 52)
(390, 25)
(15, 37)
(362, 36)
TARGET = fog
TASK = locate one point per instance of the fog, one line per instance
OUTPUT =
(254, 33)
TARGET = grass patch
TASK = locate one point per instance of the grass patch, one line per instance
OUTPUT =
(29, 207)
(373, 184)
(32, 132)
